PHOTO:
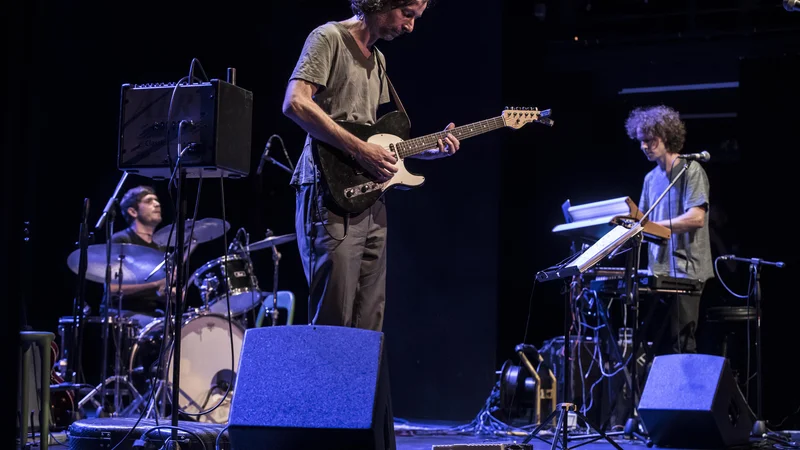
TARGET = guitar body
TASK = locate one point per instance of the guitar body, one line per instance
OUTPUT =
(348, 187)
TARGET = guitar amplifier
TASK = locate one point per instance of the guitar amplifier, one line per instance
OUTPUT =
(218, 131)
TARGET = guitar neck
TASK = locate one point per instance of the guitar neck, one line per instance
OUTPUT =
(418, 145)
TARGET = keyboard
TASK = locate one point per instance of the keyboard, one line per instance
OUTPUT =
(648, 283)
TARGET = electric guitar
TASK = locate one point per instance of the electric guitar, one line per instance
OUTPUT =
(350, 187)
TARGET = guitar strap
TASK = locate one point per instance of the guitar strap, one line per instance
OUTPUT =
(392, 91)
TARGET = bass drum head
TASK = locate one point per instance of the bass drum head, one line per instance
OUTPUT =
(207, 369)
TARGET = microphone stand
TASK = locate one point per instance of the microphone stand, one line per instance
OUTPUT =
(760, 425)
(276, 257)
(104, 315)
(73, 372)
(111, 202)
(754, 296)
(633, 425)
(107, 219)
(178, 311)
(279, 164)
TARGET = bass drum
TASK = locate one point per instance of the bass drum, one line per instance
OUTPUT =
(207, 369)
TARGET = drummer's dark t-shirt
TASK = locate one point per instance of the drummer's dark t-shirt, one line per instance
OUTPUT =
(141, 302)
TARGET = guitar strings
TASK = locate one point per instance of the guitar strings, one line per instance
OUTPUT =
(420, 144)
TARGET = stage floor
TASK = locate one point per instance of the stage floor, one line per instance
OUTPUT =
(409, 438)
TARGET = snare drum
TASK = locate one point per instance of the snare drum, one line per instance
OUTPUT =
(206, 364)
(122, 333)
(216, 282)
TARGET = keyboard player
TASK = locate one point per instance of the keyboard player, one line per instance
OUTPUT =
(684, 210)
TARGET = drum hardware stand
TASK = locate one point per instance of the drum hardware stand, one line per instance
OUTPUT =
(116, 378)
(207, 290)
(244, 251)
(276, 257)
(73, 372)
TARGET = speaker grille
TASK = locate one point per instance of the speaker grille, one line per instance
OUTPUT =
(303, 387)
(311, 385)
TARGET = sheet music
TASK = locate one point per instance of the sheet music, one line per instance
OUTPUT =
(605, 245)
(605, 208)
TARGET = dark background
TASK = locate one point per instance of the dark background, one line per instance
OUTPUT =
(464, 249)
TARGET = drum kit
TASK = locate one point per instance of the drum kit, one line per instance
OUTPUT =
(139, 356)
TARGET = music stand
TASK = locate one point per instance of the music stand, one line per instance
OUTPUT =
(615, 238)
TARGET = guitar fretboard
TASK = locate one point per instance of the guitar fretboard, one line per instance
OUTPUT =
(418, 145)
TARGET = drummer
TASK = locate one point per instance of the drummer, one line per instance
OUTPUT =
(142, 303)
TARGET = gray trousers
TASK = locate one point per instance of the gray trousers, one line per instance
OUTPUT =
(344, 259)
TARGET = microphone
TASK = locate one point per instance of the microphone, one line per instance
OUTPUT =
(703, 156)
(778, 264)
(791, 5)
(264, 157)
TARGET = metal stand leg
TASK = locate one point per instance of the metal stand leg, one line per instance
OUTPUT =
(760, 425)
(100, 388)
(563, 409)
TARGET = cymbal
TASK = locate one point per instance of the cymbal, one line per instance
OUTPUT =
(137, 263)
(271, 242)
(204, 230)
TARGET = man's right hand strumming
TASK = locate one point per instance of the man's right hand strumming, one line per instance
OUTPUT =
(379, 162)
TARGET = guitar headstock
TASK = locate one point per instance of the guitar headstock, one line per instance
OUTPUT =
(519, 117)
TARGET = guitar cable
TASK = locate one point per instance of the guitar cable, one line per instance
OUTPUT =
(315, 197)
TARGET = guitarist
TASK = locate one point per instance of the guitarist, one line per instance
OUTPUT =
(340, 75)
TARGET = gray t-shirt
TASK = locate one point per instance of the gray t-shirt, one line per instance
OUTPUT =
(350, 85)
(691, 252)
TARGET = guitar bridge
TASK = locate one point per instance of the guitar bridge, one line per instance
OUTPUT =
(361, 189)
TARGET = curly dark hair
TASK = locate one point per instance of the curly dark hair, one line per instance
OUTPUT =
(658, 121)
(132, 198)
(363, 7)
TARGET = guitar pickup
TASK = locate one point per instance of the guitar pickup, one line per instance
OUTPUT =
(361, 189)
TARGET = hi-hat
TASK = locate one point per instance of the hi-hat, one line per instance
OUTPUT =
(271, 242)
(137, 263)
(204, 231)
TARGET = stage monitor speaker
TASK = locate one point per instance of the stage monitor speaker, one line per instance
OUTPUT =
(219, 119)
(312, 387)
(692, 401)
